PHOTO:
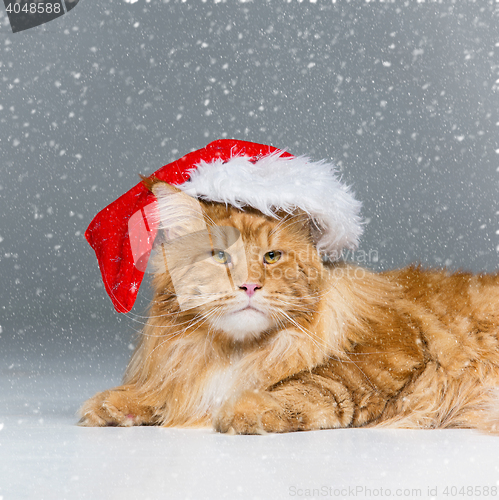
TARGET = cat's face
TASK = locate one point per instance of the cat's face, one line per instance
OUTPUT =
(241, 272)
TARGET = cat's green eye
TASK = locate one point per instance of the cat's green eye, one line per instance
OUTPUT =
(221, 257)
(272, 257)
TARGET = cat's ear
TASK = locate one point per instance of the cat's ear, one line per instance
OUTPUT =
(179, 213)
(298, 221)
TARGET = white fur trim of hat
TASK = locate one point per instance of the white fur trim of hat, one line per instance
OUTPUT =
(282, 183)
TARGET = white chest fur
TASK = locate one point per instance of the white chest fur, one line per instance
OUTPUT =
(219, 386)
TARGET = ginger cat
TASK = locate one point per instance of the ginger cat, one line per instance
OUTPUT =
(249, 331)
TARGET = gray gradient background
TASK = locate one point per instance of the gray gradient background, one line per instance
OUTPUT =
(401, 96)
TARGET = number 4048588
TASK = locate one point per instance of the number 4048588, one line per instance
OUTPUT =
(34, 8)
(470, 491)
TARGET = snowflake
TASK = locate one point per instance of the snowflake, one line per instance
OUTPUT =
(134, 286)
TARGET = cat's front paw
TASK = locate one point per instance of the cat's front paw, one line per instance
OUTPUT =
(115, 408)
(252, 412)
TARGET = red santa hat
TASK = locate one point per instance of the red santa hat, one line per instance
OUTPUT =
(229, 171)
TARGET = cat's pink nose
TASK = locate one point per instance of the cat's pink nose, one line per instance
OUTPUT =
(250, 288)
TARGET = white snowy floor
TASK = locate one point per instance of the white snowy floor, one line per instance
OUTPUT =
(44, 455)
